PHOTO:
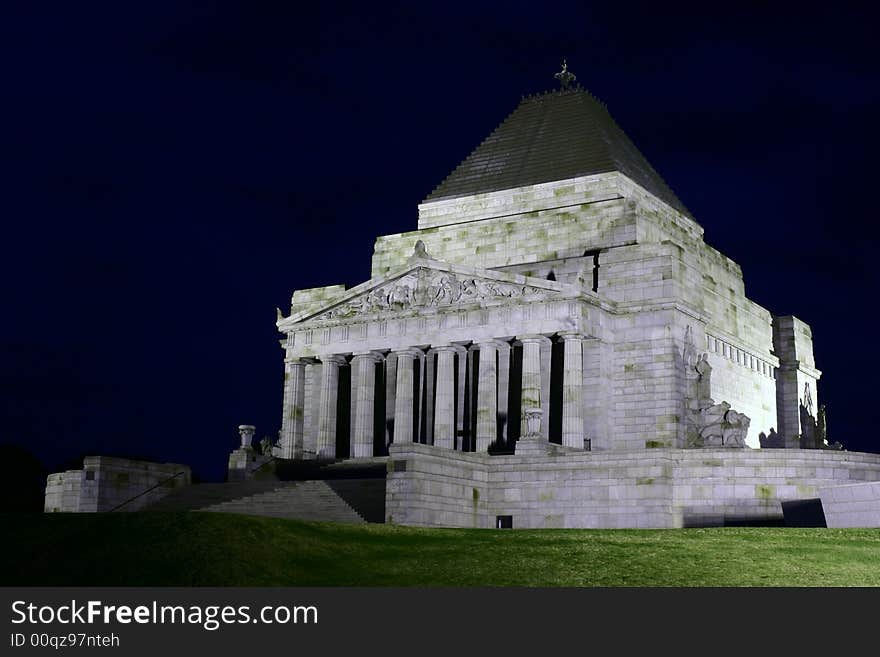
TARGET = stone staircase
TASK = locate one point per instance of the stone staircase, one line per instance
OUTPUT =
(305, 500)
(344, 500)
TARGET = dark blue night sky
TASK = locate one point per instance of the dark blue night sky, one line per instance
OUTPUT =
(172, 171)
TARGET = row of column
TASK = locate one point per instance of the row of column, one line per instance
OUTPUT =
(491, 394)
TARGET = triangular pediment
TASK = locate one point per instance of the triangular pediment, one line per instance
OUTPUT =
(428, 284)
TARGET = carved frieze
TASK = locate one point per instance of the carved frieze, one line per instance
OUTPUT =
(429, 288)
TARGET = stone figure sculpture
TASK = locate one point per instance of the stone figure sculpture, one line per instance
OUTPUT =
(708, 424)
(401, 296)
(425, 287)
(704, 385)
(808, 437)
(565, 76)
(771, 441)
(814, 430)
(734, 429)
(420, 251)
(808, 398)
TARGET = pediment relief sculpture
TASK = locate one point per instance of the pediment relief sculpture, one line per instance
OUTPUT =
(430, 288)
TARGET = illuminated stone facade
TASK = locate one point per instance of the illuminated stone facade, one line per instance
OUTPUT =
(552, 270)
(608, 289)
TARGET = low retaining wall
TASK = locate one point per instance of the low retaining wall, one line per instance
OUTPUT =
(106, 482)
(428, 486)
(854, 505)
(432, 487)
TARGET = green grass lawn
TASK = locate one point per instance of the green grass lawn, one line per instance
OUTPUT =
(203, 549)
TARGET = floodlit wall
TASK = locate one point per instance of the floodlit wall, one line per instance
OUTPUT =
(105, 483)
(640, 488)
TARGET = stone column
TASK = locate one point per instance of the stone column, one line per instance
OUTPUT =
(461, 353)
(363, 384)
(487, 397)
(421, 400)
(403, 405)
(546, 360)
(293, 411)
(327, 406)
(470, 394)
(313, 402)
(429, 398)
(444, 406)
(531, 378)
(390, 395)
(573, 391)
(503, 386)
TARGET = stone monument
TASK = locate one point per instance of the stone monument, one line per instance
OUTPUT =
(554, 275)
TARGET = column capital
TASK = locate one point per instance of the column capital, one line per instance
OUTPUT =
(407, 351)
(571, 335)
(460, 349)
(495, 343)
(336, 359)
(533, 337)
(297, 361)
(443, 347)
(371, 355)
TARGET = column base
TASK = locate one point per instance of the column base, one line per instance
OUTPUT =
(244, 463)
(536, 446)
(241, 460)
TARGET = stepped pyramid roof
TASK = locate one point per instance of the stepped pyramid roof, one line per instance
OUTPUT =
(551, 136)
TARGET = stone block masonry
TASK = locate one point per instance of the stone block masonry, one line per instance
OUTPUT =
(106, 482)
(660, 488)
(534, 224)
(852, 505)
(591, 299)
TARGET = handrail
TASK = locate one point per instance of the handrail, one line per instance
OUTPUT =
(164, 481)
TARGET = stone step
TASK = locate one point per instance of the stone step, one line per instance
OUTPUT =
(307, 500)
(197, 496)
(336, 500)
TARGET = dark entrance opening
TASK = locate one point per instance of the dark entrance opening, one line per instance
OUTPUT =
(514, 396)
(343, 413)
(379, 448)
(553, 406)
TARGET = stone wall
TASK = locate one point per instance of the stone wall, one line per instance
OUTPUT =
(657, 278)
(718, 485)
(645, 382)
(793, 343)
(746, 382)
(519, 200)
(525, 225)
(433, 487)
(853, 505)
(106, 482)
(760, 363)
(63, 491)
(639, 488)
(652, 257)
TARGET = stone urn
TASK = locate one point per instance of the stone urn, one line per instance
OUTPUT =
(533, 422)
(247, 432)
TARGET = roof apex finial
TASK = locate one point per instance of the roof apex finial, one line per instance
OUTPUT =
(565, 76)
